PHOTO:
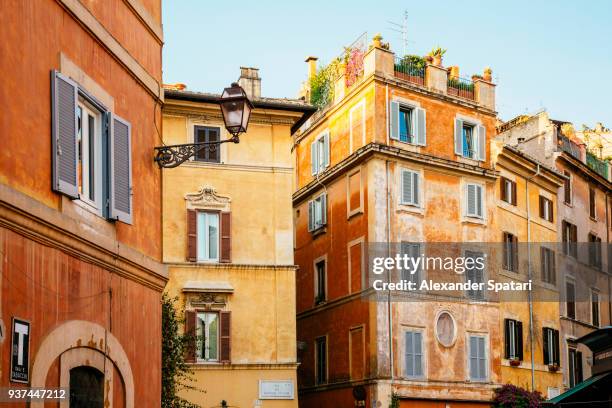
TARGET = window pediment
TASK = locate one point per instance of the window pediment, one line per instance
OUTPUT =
(207, 199)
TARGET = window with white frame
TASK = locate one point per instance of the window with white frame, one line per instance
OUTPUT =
(208, 236)
(410, 188)
(474, 200)
(550, 346)
(408, 123)
(319, 153)
(207, 333)
(513, 339)
(470, 139)
(317, 212)
(477, 355)
(413, 353)
(89, 145)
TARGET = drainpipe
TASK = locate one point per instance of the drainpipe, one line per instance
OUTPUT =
(389, 309)
(529, 277)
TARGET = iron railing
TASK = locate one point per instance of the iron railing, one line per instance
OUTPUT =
(568, 146)
(409, 71)
(461, 87)
(599, 166)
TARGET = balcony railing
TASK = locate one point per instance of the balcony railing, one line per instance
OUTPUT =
(566, 145)
(597, 165)
(409, 71)
(461, 87)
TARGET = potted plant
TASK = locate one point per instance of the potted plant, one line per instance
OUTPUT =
(515, 362)
(437, 54)
(553, 367)
(488, 74)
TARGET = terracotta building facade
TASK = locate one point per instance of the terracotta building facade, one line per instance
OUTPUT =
(403, 159)
(80, 200)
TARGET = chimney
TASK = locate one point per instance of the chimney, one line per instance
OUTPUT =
(312, 66)
(250, 81)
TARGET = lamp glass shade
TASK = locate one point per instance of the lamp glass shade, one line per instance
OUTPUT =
(236, 109)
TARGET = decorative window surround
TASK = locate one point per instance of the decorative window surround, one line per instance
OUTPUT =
(207, 199)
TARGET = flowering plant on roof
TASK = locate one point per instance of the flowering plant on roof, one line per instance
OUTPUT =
(354, 65)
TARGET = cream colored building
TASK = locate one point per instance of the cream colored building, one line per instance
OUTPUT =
(228, 244)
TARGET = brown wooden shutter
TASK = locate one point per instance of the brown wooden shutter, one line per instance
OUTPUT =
(513, 193)
(192, 235)
(515, 249)
(502, 192)
(225, 337)
(542, 207)
(592, 202)
(519, 340)
(190, 330)
(226, 237)
(567, 188)
(545, 346)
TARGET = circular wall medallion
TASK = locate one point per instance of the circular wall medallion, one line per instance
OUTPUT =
(446, 329)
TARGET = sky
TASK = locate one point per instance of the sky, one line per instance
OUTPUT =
(555, 55)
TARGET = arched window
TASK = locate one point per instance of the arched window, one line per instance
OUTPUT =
(86, 388)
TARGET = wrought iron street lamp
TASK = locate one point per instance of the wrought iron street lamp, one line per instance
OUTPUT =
(236, 109)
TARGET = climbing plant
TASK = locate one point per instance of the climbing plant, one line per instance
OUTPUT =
(176, 374)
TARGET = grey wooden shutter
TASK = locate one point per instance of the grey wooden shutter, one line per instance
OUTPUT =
(64, 100)
(471, 199)
(482, 360)
(310, 215)
(226, 237)
(459, 137)
(478, 190)
(421, 127)
(324, 209)
(473, 357)
(409, 344)
(415, 188)
(418, 354)
(314, 156)
(120, 151)
(407, 196)
(394, 118)
(482, 143)
(326, 149)
(225, 345)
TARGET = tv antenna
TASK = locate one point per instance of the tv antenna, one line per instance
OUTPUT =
(403, 30)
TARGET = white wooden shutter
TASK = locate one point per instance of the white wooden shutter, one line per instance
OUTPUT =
(310, 215)
(394, 118)
(482, 140)
(459, 137)
(120, 186)
(421, 132)
(407, 187)
(314, 158)
(326, 149)
(64, 128)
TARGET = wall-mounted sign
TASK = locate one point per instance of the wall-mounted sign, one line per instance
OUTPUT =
(20, 351)
(276, 389)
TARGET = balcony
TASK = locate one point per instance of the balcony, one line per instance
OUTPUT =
(461, 87)
(566, 145)
(410, 70)
(599, 166)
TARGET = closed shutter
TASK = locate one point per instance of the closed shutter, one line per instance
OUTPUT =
(471, 199)
(482, 143)
(502, 191)
(556, 357)
(519, 340)
(513, 193)
(314, 158)
(459, 137)
(394, 117)
(226, 237)
(326, 149)
(482, 361)
(225, 337)
(506, 338)
(415, 188)
(479, 201)
(515, 249)
(545, 346)
(311, 215)
(64, 127)
(190, 331)
(407, 187)
(421, 126)
(120, 170)
(324, 209)
(473, 357)
(542, 203)
(567, 188)
(592, 202)
(410, 353)
(192, 235)
(418, 354)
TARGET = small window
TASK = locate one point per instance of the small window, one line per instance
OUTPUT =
(208, 236)
(595, 251)
(592, 205)
(413, 354)
(89, 145)
(477, 358)
(567, 188)
(207, 332)
(320, 282)
(570, 300)
(413, 251)
(510, 252)
(320, 153)
(547, 258)
(595, 308)
(546, 209)
(407, 128)
(508, 191)
(469, 142)
(513, 339)
(410, 188)
(317, 213)
(206, 134)
(474, 200)
(550, 345)
(321, 360)
(570, 238)
(575, 366)
(475, 275)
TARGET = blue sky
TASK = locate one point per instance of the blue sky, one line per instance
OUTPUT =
(544, 54)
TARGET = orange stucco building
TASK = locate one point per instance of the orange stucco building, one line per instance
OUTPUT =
(393, 158)
(80, 200)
